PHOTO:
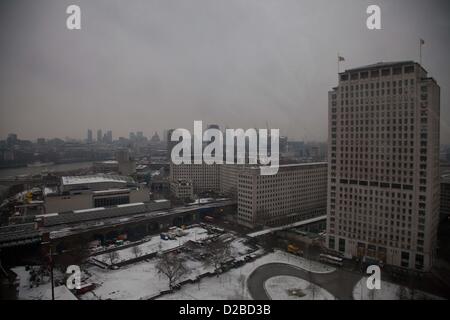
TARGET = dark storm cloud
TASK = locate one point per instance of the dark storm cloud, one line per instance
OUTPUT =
(152, 65)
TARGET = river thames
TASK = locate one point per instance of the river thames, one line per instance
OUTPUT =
(11, 172)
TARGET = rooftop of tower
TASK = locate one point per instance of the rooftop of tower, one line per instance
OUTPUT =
(382, 65)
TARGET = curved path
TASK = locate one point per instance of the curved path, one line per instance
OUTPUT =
(339, 283)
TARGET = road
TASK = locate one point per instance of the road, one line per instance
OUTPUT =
(339, 283)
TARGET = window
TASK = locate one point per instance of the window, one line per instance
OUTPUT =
(342, 245)
(409, 69)
(419, 261)
(331, 243)
(397, 71)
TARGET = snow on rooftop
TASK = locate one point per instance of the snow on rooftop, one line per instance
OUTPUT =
(47, 215)
(88, 210)
(130, 204)
(99, 178)
(109, 162)
(107, 191)
(49, 190)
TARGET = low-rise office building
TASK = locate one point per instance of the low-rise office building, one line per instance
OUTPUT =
(297, 192)
(92, 191)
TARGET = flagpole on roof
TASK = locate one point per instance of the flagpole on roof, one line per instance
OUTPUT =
(421, 43)
(339, 59)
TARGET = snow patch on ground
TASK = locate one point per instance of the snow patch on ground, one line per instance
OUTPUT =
(294, 288)
(232, 284)
(43, 290)
(156, 244)
(388, 291)
(142, 281)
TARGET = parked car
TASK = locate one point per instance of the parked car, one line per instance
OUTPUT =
(164, 236)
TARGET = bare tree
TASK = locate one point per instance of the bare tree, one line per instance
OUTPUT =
(172, 266)
(113, 256)
(137, 251)
(218, 253)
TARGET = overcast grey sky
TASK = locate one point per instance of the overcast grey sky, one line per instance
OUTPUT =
(154, 64)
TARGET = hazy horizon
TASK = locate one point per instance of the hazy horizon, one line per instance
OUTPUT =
(154, 65)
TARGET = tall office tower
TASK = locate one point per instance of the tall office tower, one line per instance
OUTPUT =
(89, 136)
(383, 188)
(99, 135)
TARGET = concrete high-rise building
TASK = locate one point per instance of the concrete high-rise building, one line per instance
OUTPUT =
(89, 136)
(383, 151)
(125, 162)
(297, 192)
(204, 177)
(229, 176)
(445, 196)
(99, 135)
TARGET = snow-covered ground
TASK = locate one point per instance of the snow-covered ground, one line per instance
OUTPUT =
(142, 281)
(303, 263)
(388, 291)
(293, 288)
(232, 284)
(43, 291)
(156, 244)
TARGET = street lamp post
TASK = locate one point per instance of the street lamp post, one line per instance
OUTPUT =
(51, 273)
(50, 264)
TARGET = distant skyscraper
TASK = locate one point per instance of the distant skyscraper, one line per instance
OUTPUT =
(89, 135)
(155, 137)
(108, 137)
(170, 144)
(132, 136)
(99, 135)
(383, 190)
(11, 139)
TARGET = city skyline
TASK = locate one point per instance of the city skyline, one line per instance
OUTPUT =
(151, 66)
(228, 150)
